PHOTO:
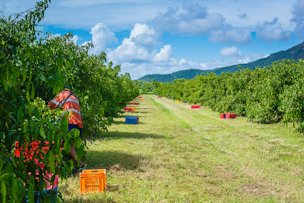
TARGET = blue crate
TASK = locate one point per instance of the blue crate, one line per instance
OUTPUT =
(131, 120)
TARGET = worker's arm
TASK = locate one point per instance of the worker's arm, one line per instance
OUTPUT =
(54, 103)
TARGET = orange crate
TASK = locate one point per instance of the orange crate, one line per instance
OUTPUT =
(93, 180)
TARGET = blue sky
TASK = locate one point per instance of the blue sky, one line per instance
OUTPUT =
(163, 36)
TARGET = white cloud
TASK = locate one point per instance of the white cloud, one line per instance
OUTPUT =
(139, 46)
(142, 58)
(128, 51)
(163, 55)
(191, 18)
(75, 39)
(231, 34)
(272, 30)
(51, 36)
(194, 19)
(204, 66)
(244, 60)
(182, 61)
(143, 35)
(230, 51)
(101, 37)
(298, 18)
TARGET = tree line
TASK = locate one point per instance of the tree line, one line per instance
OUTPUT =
(34, 68)
(264, 95)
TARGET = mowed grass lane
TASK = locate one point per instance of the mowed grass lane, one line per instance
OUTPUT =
(177, 154)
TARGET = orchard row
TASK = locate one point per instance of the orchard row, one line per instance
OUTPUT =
(263, 95)
(34, 68)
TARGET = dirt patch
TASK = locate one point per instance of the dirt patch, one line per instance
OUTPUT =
(113, 188)
(225, 172)
(297, 171)
(116, 168)
(202, 174)
(255, 188)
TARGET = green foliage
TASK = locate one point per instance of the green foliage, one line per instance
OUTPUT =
(263, 95)
(147, 87)
(34, 68)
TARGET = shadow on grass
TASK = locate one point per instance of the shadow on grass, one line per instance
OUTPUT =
(123, 135)
(128, 114)
(84, 199)
(123, 122)
(112, 160)
(118, 122)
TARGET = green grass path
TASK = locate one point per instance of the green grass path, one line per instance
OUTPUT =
(177, 154)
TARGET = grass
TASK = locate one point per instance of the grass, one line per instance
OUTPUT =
(177, 154)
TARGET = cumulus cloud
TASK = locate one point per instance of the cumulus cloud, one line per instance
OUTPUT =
(163, 55)
(272, 30)
(101, 37)
(230, 51)
(75, 39)
(140, 58)
(143, 34)
(298, 18)
(129, 51)
(231, 34)
(182, 61)
(139, 46)
(191, 18)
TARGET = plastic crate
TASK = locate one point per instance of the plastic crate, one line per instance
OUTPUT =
(129, 109)
(195, 106)
(230, 115)
(131, 120)
(93, 180)
(133, 103)
(222, 116)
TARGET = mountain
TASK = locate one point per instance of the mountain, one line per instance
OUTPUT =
(296, 52)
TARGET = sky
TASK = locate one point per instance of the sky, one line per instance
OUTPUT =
(164, 36)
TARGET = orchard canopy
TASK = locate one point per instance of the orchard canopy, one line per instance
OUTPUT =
(34, 68)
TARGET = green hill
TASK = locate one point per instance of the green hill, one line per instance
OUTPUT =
(296, 52)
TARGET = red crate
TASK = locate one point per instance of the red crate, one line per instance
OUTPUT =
(93, 181)
(230, 115)
(227, 115)
(133, 103)
(129, 109)
(195, 106)
(222, 116)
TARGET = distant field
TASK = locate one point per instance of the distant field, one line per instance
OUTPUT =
(180, 155)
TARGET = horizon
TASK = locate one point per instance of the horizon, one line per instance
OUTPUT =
(171, 36)
(220, 67)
